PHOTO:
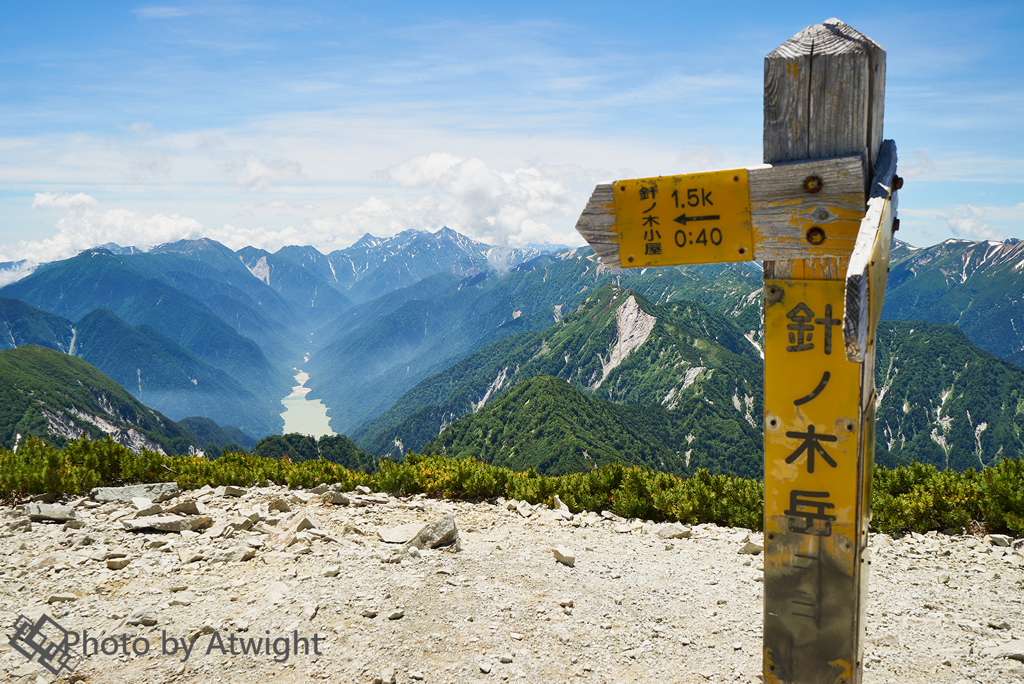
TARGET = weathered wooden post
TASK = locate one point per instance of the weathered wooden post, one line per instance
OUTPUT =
(821, 219)
(824, 91)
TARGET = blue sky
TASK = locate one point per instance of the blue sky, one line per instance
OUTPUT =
(313, 123)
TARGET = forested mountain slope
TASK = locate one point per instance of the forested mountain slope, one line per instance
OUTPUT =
(58, 397)
(977, 286)
(944, 401)
(617, 345)
(152, 367)
(98, 279)
(547, 424)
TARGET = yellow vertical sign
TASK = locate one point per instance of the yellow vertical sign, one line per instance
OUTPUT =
(811, 493)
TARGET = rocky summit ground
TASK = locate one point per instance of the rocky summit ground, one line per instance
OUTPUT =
(236, 570)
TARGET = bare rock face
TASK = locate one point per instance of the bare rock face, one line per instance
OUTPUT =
(157, 492)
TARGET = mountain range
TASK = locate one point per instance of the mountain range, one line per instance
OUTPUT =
(54, 395)
(410, 339)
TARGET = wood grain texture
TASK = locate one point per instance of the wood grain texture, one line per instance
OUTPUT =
(597, 225)
(824, 94)
(781, 211)
(869, 263)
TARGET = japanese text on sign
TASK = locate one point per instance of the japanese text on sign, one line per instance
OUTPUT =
(810, 457)
(697, 218)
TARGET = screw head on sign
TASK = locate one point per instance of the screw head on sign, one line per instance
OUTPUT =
(813, 184)
(815, 236)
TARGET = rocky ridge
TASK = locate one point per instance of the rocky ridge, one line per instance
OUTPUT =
(400, 589)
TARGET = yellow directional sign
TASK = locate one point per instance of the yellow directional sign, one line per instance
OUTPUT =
(698, 218)
(811, 494)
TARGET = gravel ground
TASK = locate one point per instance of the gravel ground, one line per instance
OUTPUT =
(494, 606)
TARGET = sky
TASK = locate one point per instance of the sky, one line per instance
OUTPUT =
(270, 124)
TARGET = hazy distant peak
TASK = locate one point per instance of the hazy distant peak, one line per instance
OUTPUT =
(546, 247)
(192, 246)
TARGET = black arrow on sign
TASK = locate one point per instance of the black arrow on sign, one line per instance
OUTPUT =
(683, 219)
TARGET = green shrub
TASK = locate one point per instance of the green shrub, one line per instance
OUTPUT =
(916, 498)
(1003, 486)
(919, 498)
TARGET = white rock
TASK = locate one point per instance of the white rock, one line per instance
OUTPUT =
(190, 555)
(673, 531)
(234, 554)
(156, 492)
(40, 512)
(1010, 649)
(230, 490)
(400, 534)
(438, 533)
(564, 556)
(167, 523)
(143, 615)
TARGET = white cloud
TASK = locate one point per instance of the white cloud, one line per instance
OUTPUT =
(58, 200)
(495, 206)
(968, 221)
(16, 272)
(254, 173)
(430, 191)
(87, 228)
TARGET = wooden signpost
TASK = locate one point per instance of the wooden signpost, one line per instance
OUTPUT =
(821, 219)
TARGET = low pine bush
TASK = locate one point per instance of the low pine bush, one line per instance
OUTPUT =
(912, 498)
